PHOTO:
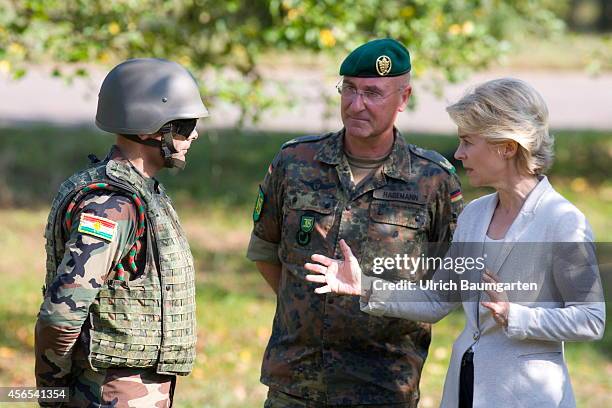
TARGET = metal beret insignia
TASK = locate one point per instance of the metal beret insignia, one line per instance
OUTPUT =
(383, 65)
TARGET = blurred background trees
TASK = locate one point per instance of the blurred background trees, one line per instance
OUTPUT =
(588, 15)
(232, 40)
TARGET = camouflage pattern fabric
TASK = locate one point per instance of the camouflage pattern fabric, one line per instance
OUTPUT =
(322, 347)
(121, 388)
(87, 264)
(91, 326)
(277, 399)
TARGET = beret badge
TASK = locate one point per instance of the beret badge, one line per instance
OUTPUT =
(383, 65)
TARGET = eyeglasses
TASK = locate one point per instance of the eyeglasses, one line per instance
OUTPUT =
(348, 91)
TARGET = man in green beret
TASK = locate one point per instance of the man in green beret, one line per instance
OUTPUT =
(385, 197)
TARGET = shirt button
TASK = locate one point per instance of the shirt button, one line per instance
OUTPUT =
(476, 335)
(168, 288)
(348, 207)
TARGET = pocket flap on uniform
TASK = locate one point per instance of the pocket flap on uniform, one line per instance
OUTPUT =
(398, 213)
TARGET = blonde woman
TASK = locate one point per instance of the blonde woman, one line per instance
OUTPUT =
(510, 354)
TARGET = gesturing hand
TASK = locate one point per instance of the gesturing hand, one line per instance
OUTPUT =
(343, 277)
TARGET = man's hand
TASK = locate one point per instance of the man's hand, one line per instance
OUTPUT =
(343, 277)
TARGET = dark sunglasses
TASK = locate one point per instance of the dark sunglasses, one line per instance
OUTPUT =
(184, 127)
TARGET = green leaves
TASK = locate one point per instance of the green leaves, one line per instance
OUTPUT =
(446, 38)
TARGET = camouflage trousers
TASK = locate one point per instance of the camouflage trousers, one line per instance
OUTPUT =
(121, 388)
(278, 399)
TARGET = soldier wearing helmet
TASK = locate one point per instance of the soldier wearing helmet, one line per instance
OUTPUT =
(117, 323)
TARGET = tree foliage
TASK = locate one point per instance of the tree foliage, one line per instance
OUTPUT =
(226, 41)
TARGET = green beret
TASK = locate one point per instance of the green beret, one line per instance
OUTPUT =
(377, 58)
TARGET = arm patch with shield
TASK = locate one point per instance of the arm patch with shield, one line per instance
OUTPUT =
(259, 202)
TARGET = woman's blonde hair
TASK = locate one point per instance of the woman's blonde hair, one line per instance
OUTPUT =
(508, 109)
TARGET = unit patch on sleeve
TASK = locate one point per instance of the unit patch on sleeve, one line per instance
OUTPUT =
(98, 227)
(259, 202)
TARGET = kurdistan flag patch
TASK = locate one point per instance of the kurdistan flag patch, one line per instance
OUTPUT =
(99, 227)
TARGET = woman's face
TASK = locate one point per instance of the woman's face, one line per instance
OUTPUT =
(483, 162)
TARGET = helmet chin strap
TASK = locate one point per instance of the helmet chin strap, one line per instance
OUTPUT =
(168, 151)
(166, 145)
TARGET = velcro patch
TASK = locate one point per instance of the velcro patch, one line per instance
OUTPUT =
(398, 195)
(259, 202)
(456, 196)
(98, 227)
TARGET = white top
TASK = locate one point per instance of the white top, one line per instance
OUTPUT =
(492, 250)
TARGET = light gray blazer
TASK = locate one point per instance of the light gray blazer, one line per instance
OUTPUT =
(523, 365)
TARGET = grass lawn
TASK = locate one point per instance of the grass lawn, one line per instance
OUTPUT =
(214, 196)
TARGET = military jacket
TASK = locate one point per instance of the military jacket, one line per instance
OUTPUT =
(146, 321)
(323, 347)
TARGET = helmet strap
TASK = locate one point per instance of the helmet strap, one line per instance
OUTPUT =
(168, 150)
(166, 145)
(147, 142)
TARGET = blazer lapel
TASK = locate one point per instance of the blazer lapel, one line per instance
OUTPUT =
(521, 222)
(479, 229)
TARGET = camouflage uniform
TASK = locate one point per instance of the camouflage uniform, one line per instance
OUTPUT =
(74, 340)
(323, 349)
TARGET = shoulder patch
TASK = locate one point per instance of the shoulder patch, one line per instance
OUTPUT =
(98, 227)
(306, 139)
(435, 157)
(456, 196)
(259, 202)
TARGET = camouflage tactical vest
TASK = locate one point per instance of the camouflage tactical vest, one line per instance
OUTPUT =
(149, 321)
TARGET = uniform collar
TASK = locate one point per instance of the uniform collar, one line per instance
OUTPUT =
(332, 149)
(398, 163)
(396, 166)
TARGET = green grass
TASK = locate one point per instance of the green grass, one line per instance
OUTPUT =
(215, 195)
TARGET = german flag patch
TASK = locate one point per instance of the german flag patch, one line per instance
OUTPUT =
(456, 196)
(98, 227)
